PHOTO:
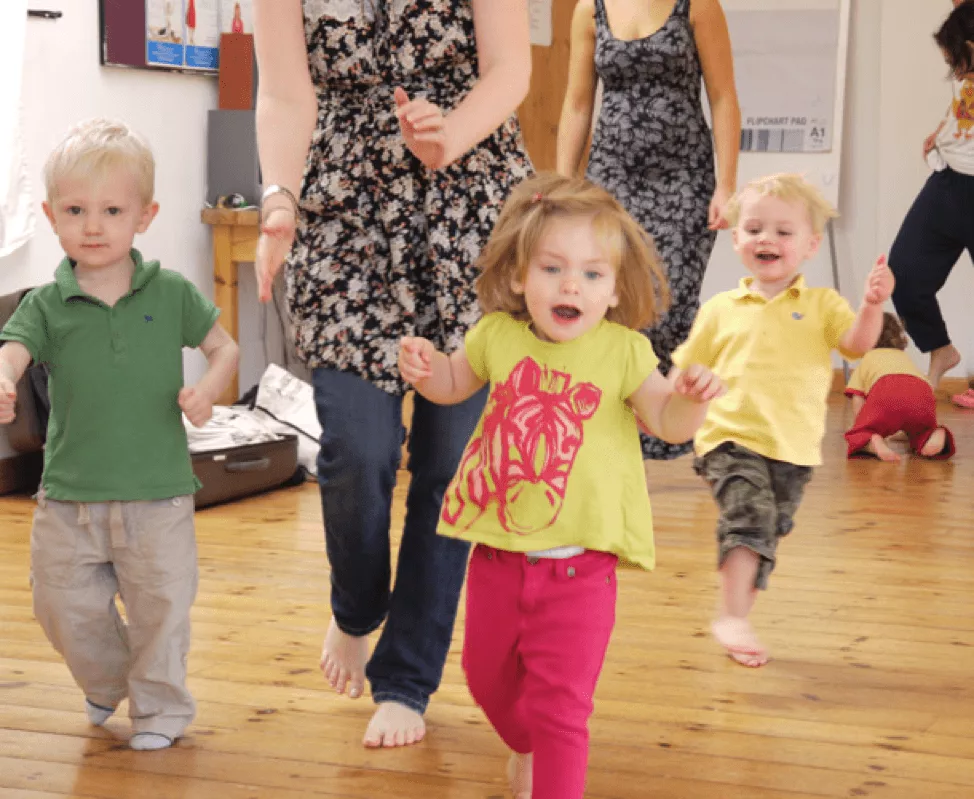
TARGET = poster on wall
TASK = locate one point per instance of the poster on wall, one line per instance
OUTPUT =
(236, 16)
(164, 33)
(785, 69)
(201, 22)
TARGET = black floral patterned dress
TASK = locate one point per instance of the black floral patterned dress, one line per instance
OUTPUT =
(386, 247)
(653, 150)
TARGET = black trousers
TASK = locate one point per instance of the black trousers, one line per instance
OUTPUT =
(938, 227)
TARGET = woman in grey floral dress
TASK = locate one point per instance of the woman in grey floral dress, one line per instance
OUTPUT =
(388, 145)
(651, 147)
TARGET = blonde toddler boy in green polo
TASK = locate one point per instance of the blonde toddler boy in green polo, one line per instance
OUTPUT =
(115, 508)
(771, 341)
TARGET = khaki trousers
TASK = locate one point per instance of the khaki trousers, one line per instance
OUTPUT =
(82, 556)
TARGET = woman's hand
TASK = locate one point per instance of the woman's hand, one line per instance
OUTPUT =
(715, 216)
(424, 129)
(276, 238)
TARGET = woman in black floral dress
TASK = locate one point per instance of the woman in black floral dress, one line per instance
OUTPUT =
(388, 146)
(652, 147)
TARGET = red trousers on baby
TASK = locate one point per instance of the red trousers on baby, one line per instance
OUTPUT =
(535, 638)
(898, 402)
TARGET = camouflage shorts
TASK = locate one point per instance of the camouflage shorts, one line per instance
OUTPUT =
(757, 498)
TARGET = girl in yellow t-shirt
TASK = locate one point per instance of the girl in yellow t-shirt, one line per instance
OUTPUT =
(551, 486)
(889, 394)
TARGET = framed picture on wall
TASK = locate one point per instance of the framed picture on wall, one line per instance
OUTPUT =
(173, 35)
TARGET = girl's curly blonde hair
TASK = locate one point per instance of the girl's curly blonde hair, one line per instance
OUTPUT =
(640, 280)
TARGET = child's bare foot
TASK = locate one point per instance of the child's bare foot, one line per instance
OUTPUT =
(935, 444)
(394, 725)
(343, 660)
(520, 774)
(877, 446)
(942, 360)
(737, 637)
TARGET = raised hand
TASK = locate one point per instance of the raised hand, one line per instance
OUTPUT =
(423, 127)
(879, 283)
(415, 356)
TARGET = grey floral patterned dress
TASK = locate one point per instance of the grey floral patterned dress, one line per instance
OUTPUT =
(653, 150)
(386, 247)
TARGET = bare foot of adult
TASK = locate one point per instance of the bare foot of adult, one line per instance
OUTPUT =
(343, 659)
(877, 446)
(394, 725)
(519, 775)
(942, 360)
(935, 444)
(737, 637)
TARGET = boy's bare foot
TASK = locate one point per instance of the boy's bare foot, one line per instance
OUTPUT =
(877, 446)
(394, 725)
(942, 360)
(935, 444)
(343, 660)
(520, 775)
(737, 637)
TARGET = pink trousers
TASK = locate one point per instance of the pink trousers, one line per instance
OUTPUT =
(535, 640)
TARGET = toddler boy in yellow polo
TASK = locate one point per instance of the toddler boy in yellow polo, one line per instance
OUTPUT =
(771, 342)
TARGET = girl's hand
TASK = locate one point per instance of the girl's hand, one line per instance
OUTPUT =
(879, 283)
(929, 143)
(715, 216)
(415, 356)
(698, 384)
(276, 238)
(423, 129)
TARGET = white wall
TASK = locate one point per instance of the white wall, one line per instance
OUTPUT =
(63, 84)
(896, 93)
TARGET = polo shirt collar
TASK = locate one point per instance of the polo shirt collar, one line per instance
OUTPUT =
(67, 282)
(744, 290)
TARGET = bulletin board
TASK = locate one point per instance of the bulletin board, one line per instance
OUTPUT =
(170, 35)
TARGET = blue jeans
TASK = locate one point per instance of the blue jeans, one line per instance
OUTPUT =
(361, 440)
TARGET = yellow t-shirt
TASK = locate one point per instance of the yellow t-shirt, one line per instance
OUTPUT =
(879, 363)
(555, 458)
(775, 357)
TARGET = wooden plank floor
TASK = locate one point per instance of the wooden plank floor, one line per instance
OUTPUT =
(869, 617)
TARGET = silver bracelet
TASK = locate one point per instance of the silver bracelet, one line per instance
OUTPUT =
(273, 189)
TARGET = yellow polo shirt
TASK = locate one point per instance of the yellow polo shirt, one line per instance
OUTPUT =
(878, 363)
(775, 357)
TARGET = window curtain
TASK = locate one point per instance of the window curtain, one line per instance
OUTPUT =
(16, 209)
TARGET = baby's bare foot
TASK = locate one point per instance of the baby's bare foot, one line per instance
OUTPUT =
(520, 775)
(343, 660)
(877, 446)
(935, 444)
(942, 360)
(737, 637)
(393, 724)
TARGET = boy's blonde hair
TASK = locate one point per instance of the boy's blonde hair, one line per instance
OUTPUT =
(640, 281)
(92, 148)
(790, 188)
(892, 336)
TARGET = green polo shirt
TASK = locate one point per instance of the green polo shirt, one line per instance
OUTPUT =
(115, 431)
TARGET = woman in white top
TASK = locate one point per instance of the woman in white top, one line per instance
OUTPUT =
(939, 226)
